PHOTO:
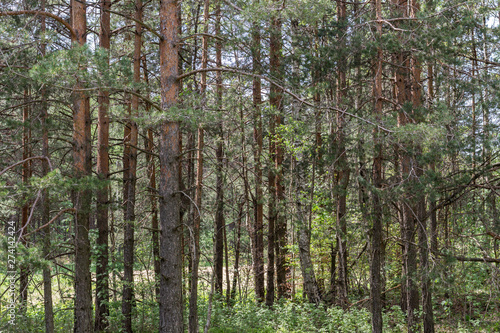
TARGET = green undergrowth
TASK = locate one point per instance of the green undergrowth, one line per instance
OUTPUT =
(249, 316)
(295, 317)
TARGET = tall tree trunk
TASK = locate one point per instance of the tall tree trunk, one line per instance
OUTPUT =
(102, 271)
(195, 250)
(407, 160)
(82, 169)
(153, 200)
(299, 165)
(421, 218)
(311, 288)
(258, 204)
(195, 243)
(25, 210)
(376, 232)
(275, 99)
(171, 305)
(45, 218)
(130, 178)
(271, 217)
(219, 214)
(237, 251)
(342, 168)
(403, 89)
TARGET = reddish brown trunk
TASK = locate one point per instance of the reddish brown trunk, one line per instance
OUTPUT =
(82, 169)
(403, 92)
(171, 305)
(102, 273)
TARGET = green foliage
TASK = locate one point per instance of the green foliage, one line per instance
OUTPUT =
(287, 317)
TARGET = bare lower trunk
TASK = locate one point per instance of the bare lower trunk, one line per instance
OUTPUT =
(306, 265)
(153, 200)
(271, 220)
(219, 221)
(195, 243)
(237, 253)
(171, 304)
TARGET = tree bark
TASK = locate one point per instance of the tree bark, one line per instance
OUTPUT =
(195, 249)
(25, 210)
(258, 204)
(219, 214)
(311, 288)
(195, 243)
(376, 232)
(275, 100)
(153, 200)
(45, 218)
(82, 169)
(342, 171)
(102, 270)
(421, 218)
(171, 305)
(130, 178)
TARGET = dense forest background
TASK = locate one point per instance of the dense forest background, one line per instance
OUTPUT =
(250, 166)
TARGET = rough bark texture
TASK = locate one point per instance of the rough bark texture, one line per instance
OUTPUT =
(171, 305)
(45, 218)
(219, 153)
(311, 288)
(82, 198)
(102, 273)
(403, 92)
(275, 100)
(271, 218)
(220, 235)
(421, 218)
(376, 232)
(258, 227)
(154, 207)
(151, 167)
(195, 244)
(237, 252)
(130, 178)
(25, 210)
(342, 172)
